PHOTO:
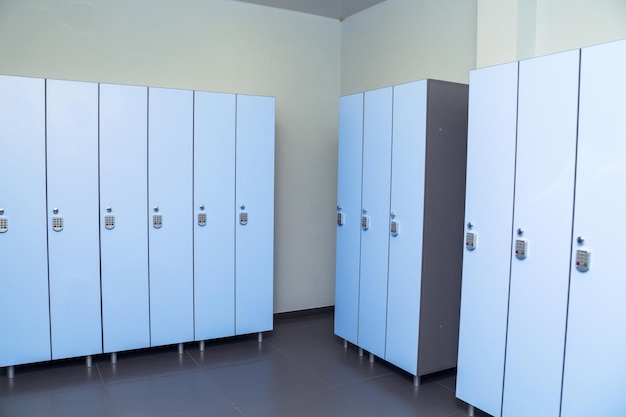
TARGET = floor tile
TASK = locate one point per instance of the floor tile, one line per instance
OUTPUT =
(88, 401)
(272, 379)
(49, 377)
(394, 396)
(186, 394)
(231, 351)
(325, 403)
(146, 363)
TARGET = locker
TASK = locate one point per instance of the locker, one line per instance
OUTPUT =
(73, 235)
(596, 341)
(123, 230)
(488, 217)
(170, 213)
(214, 198)
(348, 251)
(544, 191)
(402, 155)
(428, 158)
(254, 229)
(376, 185)
(24, 307)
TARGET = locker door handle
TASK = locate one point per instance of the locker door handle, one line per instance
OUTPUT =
(341, 217)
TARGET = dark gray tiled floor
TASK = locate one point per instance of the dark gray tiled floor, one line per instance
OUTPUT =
(300, 369)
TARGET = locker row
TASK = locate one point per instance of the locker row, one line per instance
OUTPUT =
(401, 188)
(542, 312)
(131, 217)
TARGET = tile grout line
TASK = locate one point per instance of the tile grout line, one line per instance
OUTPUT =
(106, 390)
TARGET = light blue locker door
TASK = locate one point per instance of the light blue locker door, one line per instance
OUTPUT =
(489, 210)
(73, 235)
(214, 200)
(407, 210)
(350, 159)
(595, 363)
(544, 192)
(170, 214)
(254, 241)
(375, 211)
(123, 229)
(24, 308)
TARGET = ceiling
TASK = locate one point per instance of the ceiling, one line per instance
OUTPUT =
(336, 9)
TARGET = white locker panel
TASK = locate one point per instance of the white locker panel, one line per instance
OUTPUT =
(595, 364)
(375, 211)
(544, 191)
(74, 251)
(170, 193)
(488, 208)
(407, 209)
(24, 308)
(350, 159)
(254, 256)
(214, 197)
(124, 238)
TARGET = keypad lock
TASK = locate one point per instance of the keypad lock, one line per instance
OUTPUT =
(582, 260)
(394, 228)
(57, 223)
(201, 219)
(470, 240)
(243, 218)
(341, 218)
(4, 224)
(365, 222)
(109, 222)
(157, 221)
(521, 248)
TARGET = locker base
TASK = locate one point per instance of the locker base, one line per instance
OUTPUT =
(470, 410)
(10, 372)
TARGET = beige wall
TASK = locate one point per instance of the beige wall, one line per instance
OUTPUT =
(399, 41)
(215, 45)
(510, 30)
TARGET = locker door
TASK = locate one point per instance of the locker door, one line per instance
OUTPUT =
(350, 159)
(595, 364)
(214, 199)
(407, 210)
(544, 191)
(254, 256)
(375, 211)
(489, 209)
(24, 308)
(123, 230)
(170, 176)
(73, 235)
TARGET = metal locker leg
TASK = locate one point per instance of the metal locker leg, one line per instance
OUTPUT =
(360, 351)
(417, 381)
(371, 357)
(113, 358)
(260, 337)
(345, 344)
(202, 346)
(10, 372)
(180, 349)
(89, 361)
(470, 410)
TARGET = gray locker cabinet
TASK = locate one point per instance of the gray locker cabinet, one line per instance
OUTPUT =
(398, 283)
(123, 229)
(348, 249)
(596, 340)
(24, 305)
(214, 200)
(254, 229)
(542, 217)
(491, 136)
(73, 234)
(170, 210)
(425, 263)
